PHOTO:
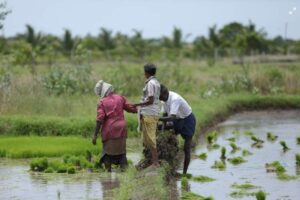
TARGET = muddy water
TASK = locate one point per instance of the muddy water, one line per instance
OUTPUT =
(285, 124)
(17, 182)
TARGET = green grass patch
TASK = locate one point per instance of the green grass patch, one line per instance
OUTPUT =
(202, 179)
(271, 137)
(236, 160)
(244, 186)
(202, 156)
(245, 152)
(194, 196)
(297, 158)
(219, 165)
(46, 146)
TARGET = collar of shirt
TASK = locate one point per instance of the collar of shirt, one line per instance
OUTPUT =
(151, 77)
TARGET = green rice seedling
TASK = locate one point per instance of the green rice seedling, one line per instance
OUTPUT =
(232, 139)
(219, 165)
(271, 137)
(236, 132)
(88, 156)
(256, 140)
(66, 158)
(62, 169)
(236, 160)
(298, 140)
(39, 164)
(193, 196)
(286, 177)
(215, 146)
(297, 156)
(234, 147)
(184, 184)
(260, 195)
(49, 170)
(223, 153)
(241, 194)
(284, 146)
(2, 153)
(249, 133)
(202, 179)
(187, 175)
(211, 137)
(244, 186)
(245, 152)
(275, 167)
(202, 156)
(71, 170)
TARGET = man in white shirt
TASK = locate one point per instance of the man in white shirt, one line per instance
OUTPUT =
(177, 110)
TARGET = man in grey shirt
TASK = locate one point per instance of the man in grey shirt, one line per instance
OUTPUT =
(150, 111)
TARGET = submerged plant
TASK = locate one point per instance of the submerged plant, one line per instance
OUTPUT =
(260, 195)
(202, 179)
(284, 146)
(271, 137)
(297, 156)
(236, 160)
(184, 184)
(202, 156)
(234, 147)
(256, 140)
(246, 152)
(298, 140)
(219, 165)
(223, 153)
(193, 196)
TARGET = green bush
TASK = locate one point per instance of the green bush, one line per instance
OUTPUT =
(71, 170)
(49, 170)
(39, 164)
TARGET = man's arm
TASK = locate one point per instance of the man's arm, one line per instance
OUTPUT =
(149, 101)
(167, 118)
(97, 129)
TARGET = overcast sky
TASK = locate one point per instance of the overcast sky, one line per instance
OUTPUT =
(153, 17)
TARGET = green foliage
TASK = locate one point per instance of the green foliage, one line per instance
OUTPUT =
(234, 147)
(39, 164)
(71, 170)
(69, 80)
(297, 157)
(298, 140)
(62, 169)
(219, 165)
(49, 170)
(193, 196)
(236, 160)
(245, 186)
(223, 153)
(202, 156)
(246, 152)
(211, 137)
(3, 13)
(106, 41)
(260, 195)
(202, 179)
(184, 184)
(256, 140)
(271, 137)
(284, 145)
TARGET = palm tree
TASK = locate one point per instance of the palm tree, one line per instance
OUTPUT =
(106, 41)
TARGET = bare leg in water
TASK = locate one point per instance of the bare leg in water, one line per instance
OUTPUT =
(187, 153)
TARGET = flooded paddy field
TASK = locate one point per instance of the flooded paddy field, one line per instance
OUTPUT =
(18, 182)
(284, 124)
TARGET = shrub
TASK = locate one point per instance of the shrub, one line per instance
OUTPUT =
(260, 195)
(71, 170)
(39, 164)
(49, 170)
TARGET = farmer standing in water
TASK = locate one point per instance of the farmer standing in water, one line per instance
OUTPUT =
(110, 119)
(178, 111)
(150, 111)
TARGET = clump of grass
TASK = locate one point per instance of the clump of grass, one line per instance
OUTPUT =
(184, 184)
(244, 186)
(215, 146)
(260, 195)
(271, 137)
(236, 160)
(241, 194)
(211, 137)
(71, 170)
(49, 170)
(187, 175)
(219, 165)
(297, 157)
(2, 153)
(256, 140)
(193, 196)
(202, 179)
(234, 147)
(275, 167)
(286, 177)
(232, 139)
(298, 140)
(62, 169)
(223, 153)
(249, 133)
(202, 156)
(245, 152)
(39, 164)
(284, 146)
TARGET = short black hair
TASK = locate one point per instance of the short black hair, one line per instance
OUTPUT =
(163, 89)
(150, 69)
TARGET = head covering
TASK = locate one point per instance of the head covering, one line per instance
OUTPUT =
(102, 88)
